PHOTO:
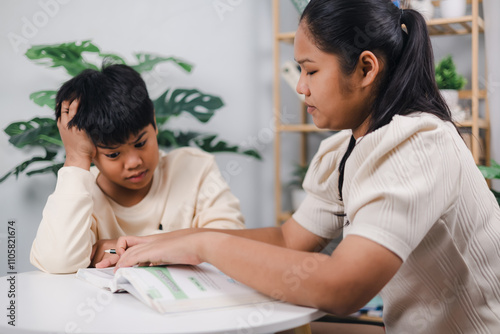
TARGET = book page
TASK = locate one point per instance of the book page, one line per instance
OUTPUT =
(101, 278)
(182, 288)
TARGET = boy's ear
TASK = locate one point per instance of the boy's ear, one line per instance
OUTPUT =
(156, 126)
(368, 67)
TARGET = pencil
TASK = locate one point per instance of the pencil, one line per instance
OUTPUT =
(110, 251)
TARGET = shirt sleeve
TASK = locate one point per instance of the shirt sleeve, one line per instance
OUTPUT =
(321, 211)
(64, 239)
(400, 182)
(216, 206)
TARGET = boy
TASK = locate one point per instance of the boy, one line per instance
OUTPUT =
(108, 118)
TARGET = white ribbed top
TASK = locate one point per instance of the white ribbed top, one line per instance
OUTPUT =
(413, 187)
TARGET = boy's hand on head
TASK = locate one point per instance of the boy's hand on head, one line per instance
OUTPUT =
(80, 150)
(99, 258)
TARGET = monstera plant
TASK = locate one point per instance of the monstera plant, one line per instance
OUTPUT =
(41, 132)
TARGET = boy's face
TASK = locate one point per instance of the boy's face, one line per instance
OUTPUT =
(129, 166)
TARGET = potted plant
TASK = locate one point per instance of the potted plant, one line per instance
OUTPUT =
(297, 193)
(492, 172)
(449, 83)
(41, 132)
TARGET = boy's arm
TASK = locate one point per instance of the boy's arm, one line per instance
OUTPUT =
(64, 239)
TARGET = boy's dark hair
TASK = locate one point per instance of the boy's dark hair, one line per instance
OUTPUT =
(113, 103)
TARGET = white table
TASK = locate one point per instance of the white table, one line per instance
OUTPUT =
(52, 304)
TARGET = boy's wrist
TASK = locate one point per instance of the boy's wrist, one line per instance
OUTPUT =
(78, 162)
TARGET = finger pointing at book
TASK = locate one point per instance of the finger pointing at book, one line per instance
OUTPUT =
(182, 250)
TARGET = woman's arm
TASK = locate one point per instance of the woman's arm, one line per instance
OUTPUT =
(289, 235)
(340, 284)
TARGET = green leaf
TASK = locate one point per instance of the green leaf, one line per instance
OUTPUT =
(209, 144)
(45, 98)
(494, 163)
(36, 132)
(490, 172)
(447, 76)
(201, 106)
(252, 153)
(115, 59)
(54, 168)
(66, 55)
(206, 142)
(174, 139)
(148, 61)
(49, 156)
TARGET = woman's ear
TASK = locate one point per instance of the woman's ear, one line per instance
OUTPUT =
(369, 67)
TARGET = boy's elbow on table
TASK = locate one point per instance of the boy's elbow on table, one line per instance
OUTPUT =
(54, 262)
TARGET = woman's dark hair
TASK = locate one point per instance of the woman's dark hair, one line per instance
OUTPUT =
(113, 103)
(399, 39)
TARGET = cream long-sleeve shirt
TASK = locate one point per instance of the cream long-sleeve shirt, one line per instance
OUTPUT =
(187, 191)
(413, 187)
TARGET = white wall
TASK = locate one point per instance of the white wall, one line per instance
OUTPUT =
(232, 53)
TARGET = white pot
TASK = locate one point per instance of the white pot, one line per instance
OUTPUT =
(424, 7)
(453, 8)
(298, 195)
(451, 98)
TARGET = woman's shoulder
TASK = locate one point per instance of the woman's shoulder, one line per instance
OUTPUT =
(419, 128)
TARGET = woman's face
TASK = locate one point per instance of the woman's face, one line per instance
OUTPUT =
(336, 101)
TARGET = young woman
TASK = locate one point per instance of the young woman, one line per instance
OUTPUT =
(420, 224)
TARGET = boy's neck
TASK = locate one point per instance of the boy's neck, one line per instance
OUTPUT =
(121, 195)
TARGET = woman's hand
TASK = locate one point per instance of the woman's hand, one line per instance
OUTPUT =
(80, 150)
(100, 259)
(161, 249)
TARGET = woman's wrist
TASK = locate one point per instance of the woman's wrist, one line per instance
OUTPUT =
(209, 244)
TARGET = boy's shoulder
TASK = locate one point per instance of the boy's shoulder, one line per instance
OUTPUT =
(186, 154)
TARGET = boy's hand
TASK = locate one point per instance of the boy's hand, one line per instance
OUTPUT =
(80, 151)
(100, 259)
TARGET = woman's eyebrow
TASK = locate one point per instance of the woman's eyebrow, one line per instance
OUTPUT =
(301, 61)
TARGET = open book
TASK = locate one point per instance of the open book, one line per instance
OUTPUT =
(177, 288)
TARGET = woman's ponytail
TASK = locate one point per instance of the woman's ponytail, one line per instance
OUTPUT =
(410, 84)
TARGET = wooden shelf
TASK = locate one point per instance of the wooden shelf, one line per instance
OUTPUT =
(468, 123)
(453, 26)
(438, 26)
(467, 94)
(286, 37)
(284, 216)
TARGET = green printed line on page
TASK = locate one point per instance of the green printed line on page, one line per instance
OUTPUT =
(197, 283)
(165, 277)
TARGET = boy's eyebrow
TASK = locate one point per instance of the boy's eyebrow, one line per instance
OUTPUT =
(108, 147)
(139, 137)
